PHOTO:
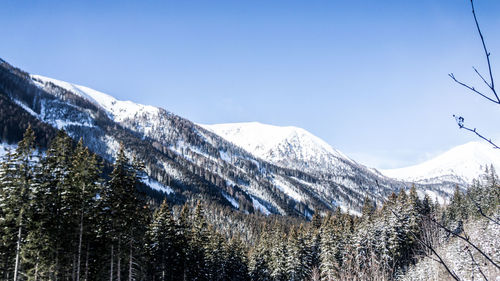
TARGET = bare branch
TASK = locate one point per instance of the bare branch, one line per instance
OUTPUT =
(492, 83)
(475, 263)
(481, 136)
(460, 122)
(480, 210)
(482, 78)
(472, 89)
(467, 240)
(433, 251)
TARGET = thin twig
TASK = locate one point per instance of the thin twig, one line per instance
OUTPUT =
(472, 89)
(479, 135)
(480, 210)
(482, 78)
(466, 239)
(492, 83)
(441, 261)
(475, 263)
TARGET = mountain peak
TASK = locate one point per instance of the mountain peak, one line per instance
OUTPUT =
(466, 161)
(288, 146)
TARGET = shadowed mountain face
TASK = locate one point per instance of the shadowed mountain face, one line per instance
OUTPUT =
(288, 171)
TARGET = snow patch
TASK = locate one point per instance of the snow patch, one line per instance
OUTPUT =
(225, 156)
(4, 147)
(258, 206)
(231, 200)
(157, 186)
(27, 108)
(287, 189)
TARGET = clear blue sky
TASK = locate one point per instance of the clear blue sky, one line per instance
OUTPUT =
(369, 77)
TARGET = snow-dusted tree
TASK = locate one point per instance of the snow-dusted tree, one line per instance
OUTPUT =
(81, 199)
(8, 229)
(278, 256)
(236, 261)
(16, 200)
(328, 263)
(298, 257)
(161, 245)
(198, 246)
(125, 216)
(260, 258)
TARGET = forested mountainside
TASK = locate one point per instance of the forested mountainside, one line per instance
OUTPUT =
(64, 218)
(184, 158)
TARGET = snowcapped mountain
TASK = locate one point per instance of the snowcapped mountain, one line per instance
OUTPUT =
(290, 147)
(251, 167)
(461, 165)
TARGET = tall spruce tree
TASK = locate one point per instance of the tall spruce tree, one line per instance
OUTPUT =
(199, 246)
(18, 177)
(124, 218)
(8, 229)
(260, 257)
(162, 245)
(81, 200)
(50, 239)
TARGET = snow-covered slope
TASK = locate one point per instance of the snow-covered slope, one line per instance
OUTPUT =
(117, 110)
(257, 167)
(291, 147)
(320, 176)
(460, 164)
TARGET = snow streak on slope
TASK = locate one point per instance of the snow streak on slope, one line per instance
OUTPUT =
(286, 146)
(461, 163)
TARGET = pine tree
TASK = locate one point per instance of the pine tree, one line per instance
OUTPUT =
(293, 262)
(81, 199)
(125, 217)
(314, 241)
(298, 257)
(8, 230)
(198, 246)
(236, 261)
(278, 257)
(260, 258)
(50, 241)
(162, 239)
(328, 263)
(183, 234)
(456, 209)
(368, 208)
(17, 178)
(217, 256)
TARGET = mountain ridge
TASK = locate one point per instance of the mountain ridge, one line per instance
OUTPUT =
(193, 162)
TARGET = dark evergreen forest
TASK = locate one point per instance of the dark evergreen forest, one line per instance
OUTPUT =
(65, 214)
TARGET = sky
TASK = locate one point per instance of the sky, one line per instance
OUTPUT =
(368, 77)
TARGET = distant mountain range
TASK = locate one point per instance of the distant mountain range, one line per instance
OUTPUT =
(252, 167)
